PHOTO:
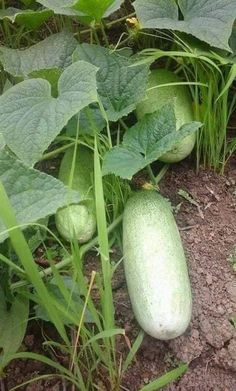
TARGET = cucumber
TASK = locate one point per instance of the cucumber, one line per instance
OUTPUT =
(158, 97)
(78, 220)
(155, 266)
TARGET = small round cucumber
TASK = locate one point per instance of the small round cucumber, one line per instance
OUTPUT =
(155, 266)
(78, 220)
(180, 96)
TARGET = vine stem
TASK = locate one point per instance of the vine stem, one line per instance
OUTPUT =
(104, 35)
(107, 25)
(52, 154)
(123, 124)
(151, 175)
(161, 173)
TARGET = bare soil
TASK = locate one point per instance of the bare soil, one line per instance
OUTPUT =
(208, 231)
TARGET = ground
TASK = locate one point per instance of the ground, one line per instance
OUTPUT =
(208, 230)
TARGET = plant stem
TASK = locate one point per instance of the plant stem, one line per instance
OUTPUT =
(96, 36)
(104, 35)
(123, 124)
(51, 155)
(108, 25)
(151, 175)
(162, 173)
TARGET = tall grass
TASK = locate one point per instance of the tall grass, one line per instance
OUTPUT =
(210, 75)
(213, 106)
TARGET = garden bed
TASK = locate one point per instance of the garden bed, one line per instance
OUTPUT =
(209, 345)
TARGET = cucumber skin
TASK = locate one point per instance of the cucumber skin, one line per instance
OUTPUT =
(155, 266)
(158, 97)
(78, 220)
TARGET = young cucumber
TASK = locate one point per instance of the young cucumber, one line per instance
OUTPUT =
(180, 96)
(155, 266)
(78, 220)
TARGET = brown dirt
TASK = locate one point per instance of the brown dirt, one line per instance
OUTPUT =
(208, 232)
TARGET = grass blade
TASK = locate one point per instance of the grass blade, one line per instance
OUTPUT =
(23, 252)
(166, 379)
(107, 300)
(133, 351)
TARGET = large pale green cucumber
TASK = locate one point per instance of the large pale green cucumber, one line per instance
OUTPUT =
(155, 266)
(78, 220)
(180, 96)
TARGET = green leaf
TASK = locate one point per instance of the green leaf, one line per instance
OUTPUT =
(30, 118)
(61, 7)
(13, 323)
(97, 9)
(208, 20)
(143, 136)
(65, 7)
(36, 235)
(84, 10)
(29, 18)
(33, 194)
(53, 52)
(145, 142)
(122, 162)
(120, 85)
(166, 379)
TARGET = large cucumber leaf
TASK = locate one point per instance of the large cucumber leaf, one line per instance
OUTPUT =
(145, 142)
(53, 52)
(209, 20)
(29, 18)
(30, 118)
(61, 7)
(97, 9)
(33, 194)
(121, 84)
(84, 10)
